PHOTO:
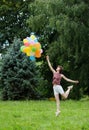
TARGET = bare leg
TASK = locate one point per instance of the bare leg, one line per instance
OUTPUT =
(57, 104)
(65, 95)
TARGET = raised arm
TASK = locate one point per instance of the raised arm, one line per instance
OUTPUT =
(49, 64)
(69, 80)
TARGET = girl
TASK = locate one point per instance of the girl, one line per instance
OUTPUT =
(57, 88)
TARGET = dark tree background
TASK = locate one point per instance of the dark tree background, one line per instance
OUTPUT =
(63, 30)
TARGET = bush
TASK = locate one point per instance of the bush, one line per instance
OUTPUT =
(19, 75)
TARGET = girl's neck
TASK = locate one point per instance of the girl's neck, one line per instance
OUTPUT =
(58, 72)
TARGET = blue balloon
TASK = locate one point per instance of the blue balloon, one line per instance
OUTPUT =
(28, 38)
(35, 40)
(32, 33)
(32, 58)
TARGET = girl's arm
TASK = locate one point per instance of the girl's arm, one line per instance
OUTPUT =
(49, 64)
(69, 80)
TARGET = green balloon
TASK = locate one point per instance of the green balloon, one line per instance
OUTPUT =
(33, 49)
(21, 48)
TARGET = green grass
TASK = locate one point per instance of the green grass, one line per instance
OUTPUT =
(40, 115)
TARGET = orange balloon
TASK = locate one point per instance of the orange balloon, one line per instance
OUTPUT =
(37, 46)
(37, 54)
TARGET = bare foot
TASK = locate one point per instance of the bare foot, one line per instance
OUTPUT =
(57, 113)
(70, 87)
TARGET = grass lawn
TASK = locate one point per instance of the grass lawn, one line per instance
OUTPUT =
(40, 115)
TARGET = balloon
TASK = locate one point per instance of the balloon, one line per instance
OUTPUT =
(25, 41)
(38, 54)
(28, 38)
(26, 44)
(26, 50)
(32, 47)
(28, 53)
(35, 40)
(32, 37)
(32, 53)
(21, 48)
(37, 46)
(41, 51)
(32, 58)
(32, 42)
(32, 33)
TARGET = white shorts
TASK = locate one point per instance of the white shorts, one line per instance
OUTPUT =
(58, 89)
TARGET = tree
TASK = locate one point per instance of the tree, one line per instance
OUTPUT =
(13, 15)
(64, 27)
(19, 75)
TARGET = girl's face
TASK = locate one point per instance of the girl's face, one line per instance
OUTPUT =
(58, 69)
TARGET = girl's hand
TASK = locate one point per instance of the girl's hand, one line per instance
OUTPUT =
(77, 82)
(47, 57)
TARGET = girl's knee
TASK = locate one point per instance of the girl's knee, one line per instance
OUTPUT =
(64, 96)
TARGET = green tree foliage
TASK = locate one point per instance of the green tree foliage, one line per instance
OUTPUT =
(64, 27)
(19, 75)
(13, 15)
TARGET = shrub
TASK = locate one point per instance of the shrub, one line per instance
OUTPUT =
(19, 75)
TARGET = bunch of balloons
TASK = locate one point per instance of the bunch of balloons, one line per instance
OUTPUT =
(31, 47)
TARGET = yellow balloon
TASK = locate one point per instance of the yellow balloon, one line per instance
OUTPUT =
(26, 49)
(28, 53)
(32, 37)
(25, 40)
